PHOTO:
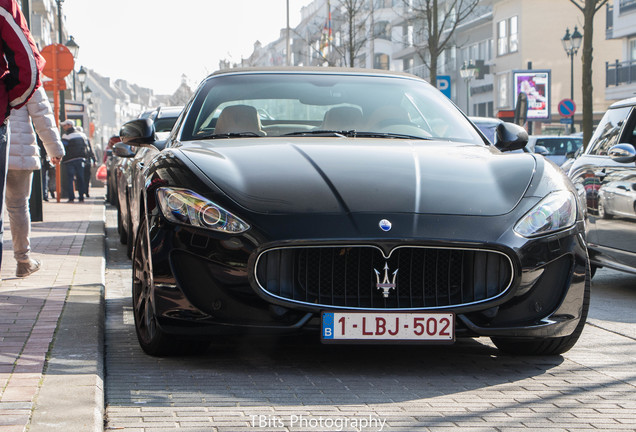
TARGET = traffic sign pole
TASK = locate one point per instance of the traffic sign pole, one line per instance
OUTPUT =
(61, 64)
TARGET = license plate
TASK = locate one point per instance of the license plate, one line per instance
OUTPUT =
(388, 326)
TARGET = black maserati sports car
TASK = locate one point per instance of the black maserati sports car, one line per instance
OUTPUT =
(358, 206)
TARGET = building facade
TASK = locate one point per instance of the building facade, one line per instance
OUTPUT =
(620, 73)
(500, 37)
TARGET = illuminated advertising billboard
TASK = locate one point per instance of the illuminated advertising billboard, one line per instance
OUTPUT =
(536, 85)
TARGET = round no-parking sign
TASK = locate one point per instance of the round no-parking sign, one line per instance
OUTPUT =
(567, 107)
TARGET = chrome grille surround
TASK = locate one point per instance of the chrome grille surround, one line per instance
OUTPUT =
(460, 276)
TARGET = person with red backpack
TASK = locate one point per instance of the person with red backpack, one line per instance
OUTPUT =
(20, 70)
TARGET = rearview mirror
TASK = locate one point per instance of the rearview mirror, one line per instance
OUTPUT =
(123, 150)
(541, 150)
(622, 153)
(138, 132)
(509, 137)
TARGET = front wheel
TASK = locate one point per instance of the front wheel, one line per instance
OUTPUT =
(602, 213)
(152, 339)
(548, 346)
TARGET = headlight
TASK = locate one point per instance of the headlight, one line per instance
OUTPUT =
(555, 212)
(188, 208)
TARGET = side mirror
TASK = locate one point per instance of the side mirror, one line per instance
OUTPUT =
(622, 153)
(541, 150)
(509, 137)
(123, 150)
(139, 132)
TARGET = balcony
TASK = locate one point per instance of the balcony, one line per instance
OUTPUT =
(620, 79)
(619, 73)
(626, 6)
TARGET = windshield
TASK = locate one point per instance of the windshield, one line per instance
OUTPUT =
(299, 104)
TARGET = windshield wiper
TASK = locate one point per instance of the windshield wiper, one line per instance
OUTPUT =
(230, 135)
(321, 133)
(389, 135)
(354, 133)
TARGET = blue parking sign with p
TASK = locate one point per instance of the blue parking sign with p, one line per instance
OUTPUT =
(444, 85)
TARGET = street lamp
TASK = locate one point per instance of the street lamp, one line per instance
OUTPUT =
(86, 92)
(73, 47)
(468, 71)
(571, 44)
(81, 76)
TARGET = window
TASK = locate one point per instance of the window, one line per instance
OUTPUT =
(502, 91)
(608, 131)
(632, 50)
(502, 37)
(382, 30)
(381, 61)
(627, 5)
(513, 36)
(507, 36)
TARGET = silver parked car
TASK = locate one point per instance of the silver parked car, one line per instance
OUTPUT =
(605, 176)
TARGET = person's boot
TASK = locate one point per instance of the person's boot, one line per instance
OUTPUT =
(25, 268)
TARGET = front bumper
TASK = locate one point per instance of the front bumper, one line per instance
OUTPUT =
(202, 287)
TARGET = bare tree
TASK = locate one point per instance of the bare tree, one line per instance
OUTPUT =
(439, 19)
(347, 19)
(589, 9)
(355, 17)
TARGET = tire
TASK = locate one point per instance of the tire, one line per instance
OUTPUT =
(548, 346)
(123, 234)
(130, 239)
(602, 213)
(152, 339)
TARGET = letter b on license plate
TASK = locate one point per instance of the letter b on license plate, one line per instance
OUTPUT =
(386, 326)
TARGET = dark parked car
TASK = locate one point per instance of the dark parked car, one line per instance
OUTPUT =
(605, 175)
(363, 207)
(164, 119)
(487, 125)
(556, 148)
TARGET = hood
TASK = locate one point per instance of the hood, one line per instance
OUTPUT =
(333, 175)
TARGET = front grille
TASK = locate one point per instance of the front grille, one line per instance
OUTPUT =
(347, 277)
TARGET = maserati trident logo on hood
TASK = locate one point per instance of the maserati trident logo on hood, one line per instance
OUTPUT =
(386, 285)
(385, 225)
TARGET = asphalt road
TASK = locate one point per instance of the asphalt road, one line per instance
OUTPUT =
(293, 384)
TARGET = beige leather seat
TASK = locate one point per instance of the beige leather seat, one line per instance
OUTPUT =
(386, 116)
(238, 119)
(342, 118)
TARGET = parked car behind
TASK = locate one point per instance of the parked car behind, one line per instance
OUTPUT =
(605, 176)
(487, 125)
(361, 207)
(164, 119)
(554, 147)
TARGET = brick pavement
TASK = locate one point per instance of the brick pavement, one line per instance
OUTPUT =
(256, 385)
(31, 307)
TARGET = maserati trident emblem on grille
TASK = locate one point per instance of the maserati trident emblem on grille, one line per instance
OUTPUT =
(386, 284)
(385, 225)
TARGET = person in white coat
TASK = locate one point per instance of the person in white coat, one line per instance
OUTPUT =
(24, 158)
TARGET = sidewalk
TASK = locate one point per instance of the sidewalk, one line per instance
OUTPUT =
(51, 323)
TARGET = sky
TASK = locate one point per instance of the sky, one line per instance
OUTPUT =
(152, 43)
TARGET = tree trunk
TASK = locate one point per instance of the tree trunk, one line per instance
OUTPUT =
(433, 43)
(433, 70)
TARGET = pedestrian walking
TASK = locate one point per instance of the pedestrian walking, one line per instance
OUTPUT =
(24, 158)
(90, 162)
(76, 147)
(19, 77)
(47, 171)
